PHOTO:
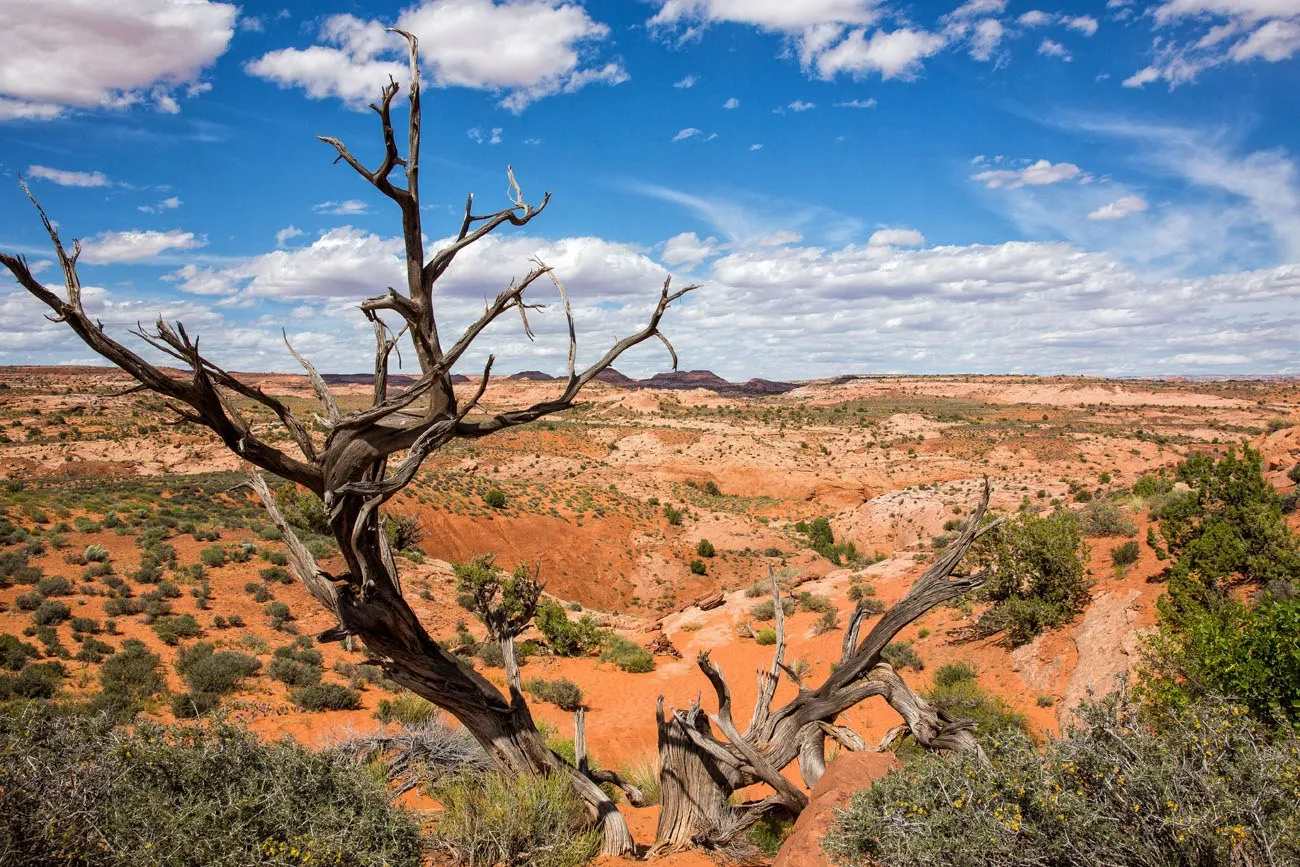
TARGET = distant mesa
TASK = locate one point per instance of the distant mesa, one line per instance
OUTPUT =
(533, 376)
(676, 380)
(610, 376)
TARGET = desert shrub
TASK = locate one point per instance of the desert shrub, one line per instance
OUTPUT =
(1114, 791)
(705, 548)
(277, 614)
(28, 601)
(93, 650)
(326, 696)
(55, 585)
(1294, 474)
(214, 556)
(697, 567)
(1152, 485)
(563, 693)
(491, 654)
(302, 509)
(35, 680)
(84, 625)
(293, 672)
(492, 819)
(495, 498)
(259, 592)
(567, 637)
(403, 531)
(208, 670)
(1106, 518)
(673, 515)
(900, 655)
(828, 622)
(954, 672)
(79, 791)
(408, 709)
(1038, 581)
(765, 636)
(1045, 701)
(766, 610)
(49, 613)
(190, 705)
(129, 678)
(96, 554)
(768, 833)
(813, 602)
(627, 655)
(14, 652)
(1125, 554)
(858, 592)
(822, 540)
(275, 574)
(174, 627)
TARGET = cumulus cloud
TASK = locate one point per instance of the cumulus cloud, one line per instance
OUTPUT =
(688, 249)
(492, 136)
(66, 178)
(350, 264)
(857, 103)
(136, 245)
(1193, 36)
(1035, 18)
(896, 238)
(686, 83)
(60, 56)
(731, 103)
(1085, 24)
(799, 105)
(1120, 208)
(347, 208)
(524, 51)
(689, 132)
(896, 54)
(286, 234)
(1052, 48)
(1036, 174)
(170, 203)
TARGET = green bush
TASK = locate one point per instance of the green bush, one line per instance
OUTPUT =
(214, 556)
(96, 554)
(813, 602)
(128, 679)
(1107, 518)
(492, 819)
(408, 709)
(79, 791)
(495, 498)
(901, 655)
(828, 622)
(36, 680)
(765, 636)
(49, 613)
(954, 672)
(1038, 580)
(14, 652)
(567, 637)
(208, 670)
(563, 693)
(697, 567)
(674, 516)
(1125, 554)
(291, 672)
(705, 548)
(766, 610)
(326, 696)
(190, 705)
(1114, 791)
(627, 655)
(55, 585)
(303, 510)
(174, 627)
(277, 614)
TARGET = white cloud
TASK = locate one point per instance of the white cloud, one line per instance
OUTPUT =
(57, 55)
(1085, 24)
(524, 51)
(985, 39)
(686, 83)
(1037, 174)
(287, 233)
(857, 103)
(756, 147)
(896, 54)
(69, 179)
(1035, 18)
(347, 208)
(731, 103)
(136, 245)
(170, 203)
(799, 105)
(689, 132)
(688, 249)
(1218, 32)
(771, 15)
(1120, 208)
(492, 136)
(1052, 48)
(350, 264)
(779, 238)
(896, 238)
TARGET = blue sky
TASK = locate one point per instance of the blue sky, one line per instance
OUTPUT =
(859, 186)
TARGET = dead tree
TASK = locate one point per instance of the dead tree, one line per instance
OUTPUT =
(704, 758)
(350, 469)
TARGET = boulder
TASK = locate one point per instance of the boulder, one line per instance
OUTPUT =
(848, 774)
